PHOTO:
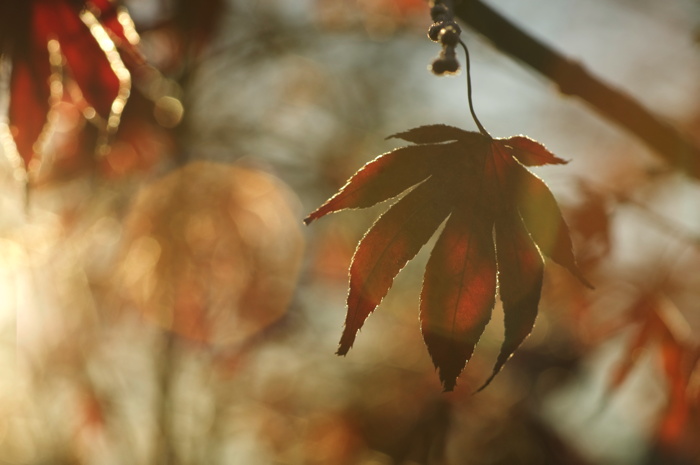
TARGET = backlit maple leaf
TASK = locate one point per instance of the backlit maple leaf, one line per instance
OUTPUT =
(500, 220)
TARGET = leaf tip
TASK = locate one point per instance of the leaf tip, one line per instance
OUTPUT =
(487, 382)
(345, 345)
(448, 385)
(314, 215)
(448, 380)
(343, 349)
(398, 135)
(347, 339)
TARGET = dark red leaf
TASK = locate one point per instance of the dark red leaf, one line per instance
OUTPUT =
(84, 55)
(544, 222)
(458, 292)
(393, 240)
(634, 348)
(675, 418)
(29, 102)
(437, 133)
(590, 220)
(29, 30)
(529, 152)
(385, 177)
(520, 274)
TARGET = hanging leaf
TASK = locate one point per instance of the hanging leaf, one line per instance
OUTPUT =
(500, 220)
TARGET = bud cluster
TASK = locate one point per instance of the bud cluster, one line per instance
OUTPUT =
(445, 31)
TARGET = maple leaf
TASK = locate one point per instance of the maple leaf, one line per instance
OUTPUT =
(499, 220)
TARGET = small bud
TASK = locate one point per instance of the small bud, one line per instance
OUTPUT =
(439, 12)
(446, 63)
(449, 36)
(452, 24)
(434, 31)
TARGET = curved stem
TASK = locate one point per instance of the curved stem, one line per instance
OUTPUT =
(482, 130)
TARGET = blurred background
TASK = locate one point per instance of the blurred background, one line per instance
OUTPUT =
(162, 302)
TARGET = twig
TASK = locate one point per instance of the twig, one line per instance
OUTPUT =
(665, 140)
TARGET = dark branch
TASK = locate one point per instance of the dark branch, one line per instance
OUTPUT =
(664, 139)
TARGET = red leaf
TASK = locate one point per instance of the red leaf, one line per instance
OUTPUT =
(544, 222)
(590, 219)
(479, 183)
(393, 240)
(632, 352)
(29, 103)
(675, 418)
(520, 274)
(29, 29)
(385, 177)
(530, 152)
(458, 292)
(86, 59)
(437, 133)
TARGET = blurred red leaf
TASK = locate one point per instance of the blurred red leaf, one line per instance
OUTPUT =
(49, 41)
(661, 329)
(590, 220)
(86, 58)
(673, 357)
(480, 183)
(29, 102)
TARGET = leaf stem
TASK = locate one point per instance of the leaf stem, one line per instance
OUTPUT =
(482, 130)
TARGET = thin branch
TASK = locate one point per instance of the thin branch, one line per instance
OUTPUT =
(676, 148)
